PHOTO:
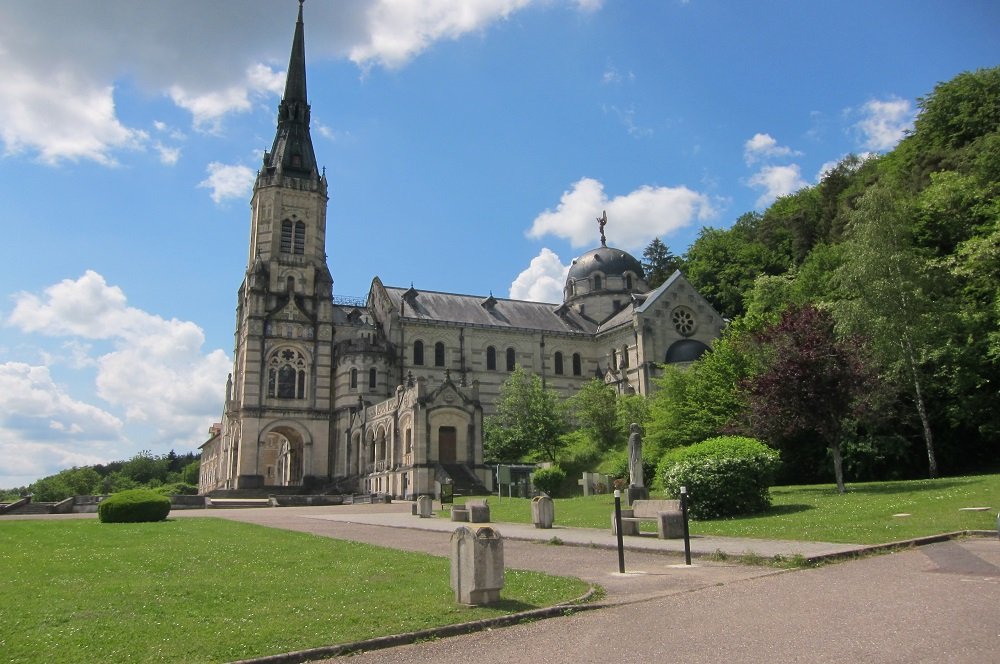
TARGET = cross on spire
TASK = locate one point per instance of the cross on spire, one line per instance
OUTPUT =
(602, 221)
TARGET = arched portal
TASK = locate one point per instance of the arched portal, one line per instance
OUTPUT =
(282, 456)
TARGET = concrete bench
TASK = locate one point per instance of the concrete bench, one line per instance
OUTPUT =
(479, 511)
(666, 514)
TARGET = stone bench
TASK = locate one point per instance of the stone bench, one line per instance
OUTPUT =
(666, 513)
(479, 511)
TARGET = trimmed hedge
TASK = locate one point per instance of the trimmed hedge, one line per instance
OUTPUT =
(724, 476)
(548, 479)
(133, 506)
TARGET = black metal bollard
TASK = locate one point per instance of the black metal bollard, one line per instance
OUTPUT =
(687, 534)
(618, 529)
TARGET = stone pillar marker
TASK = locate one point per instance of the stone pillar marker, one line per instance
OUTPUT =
(425, 506)
(543, 511)
(637, 488)
(477, 572)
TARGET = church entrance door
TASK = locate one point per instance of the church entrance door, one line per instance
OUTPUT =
(447, 444)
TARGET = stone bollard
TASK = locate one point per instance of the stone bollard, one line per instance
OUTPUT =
(543, 512)
(476, 565)
(425, 506)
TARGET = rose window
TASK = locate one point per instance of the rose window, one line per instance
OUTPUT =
(683, 320)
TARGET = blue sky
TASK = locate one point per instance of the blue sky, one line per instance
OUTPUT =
(469, 147)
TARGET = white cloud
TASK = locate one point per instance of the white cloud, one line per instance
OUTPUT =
(156, 373)
(228, 181)
(776, 181)
(542, 280)
(764, 146)
(44, 430)
(884, 123)
(633, 219)
(63, 60)
(398, 30)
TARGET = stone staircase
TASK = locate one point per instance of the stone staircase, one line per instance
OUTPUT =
(31, 508)
(463, 481)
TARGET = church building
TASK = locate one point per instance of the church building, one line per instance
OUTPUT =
(388, 395)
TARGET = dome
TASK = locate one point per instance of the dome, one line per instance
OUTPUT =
(606, 260)
(685, 350)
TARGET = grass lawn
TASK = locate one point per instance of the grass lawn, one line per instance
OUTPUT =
(210, 590)
(864, 515)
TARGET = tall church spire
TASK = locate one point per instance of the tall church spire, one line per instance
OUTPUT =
(292, 151)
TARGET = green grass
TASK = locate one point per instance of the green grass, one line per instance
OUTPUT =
(209, 590)
(863, 515)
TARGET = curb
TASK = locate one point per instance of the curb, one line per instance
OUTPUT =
(393, 640)
(900, 545)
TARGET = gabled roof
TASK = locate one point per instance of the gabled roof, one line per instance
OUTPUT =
(433, 306)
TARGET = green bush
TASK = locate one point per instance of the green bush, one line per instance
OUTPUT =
(724, 476)
(133, 506)
(548, 479)
(616, 466)
(177, 489)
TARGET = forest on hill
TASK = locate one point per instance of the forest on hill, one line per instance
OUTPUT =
(864, 311)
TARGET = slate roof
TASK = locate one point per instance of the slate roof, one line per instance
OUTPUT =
(487, 311)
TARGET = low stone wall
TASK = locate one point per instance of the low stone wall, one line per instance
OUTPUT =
(301, 501)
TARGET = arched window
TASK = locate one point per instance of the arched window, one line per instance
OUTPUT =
(286, 374)
(614, 359)
(597, 282)
(628, 282)
(418, 353)
(290, 285)
(286, 237)
(300, 238)
(577, 365)
(354, 379)
(510, 359)
(491, 359)
(559, 363)
(439, 354)
(624, 357)
(372, 378)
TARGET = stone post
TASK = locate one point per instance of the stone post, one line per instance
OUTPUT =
(543, 511)
(477, 572)
(425, 506)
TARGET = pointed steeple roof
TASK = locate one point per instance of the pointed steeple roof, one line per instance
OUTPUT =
(292, 151)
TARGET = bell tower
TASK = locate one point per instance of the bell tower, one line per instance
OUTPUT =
(276, 423)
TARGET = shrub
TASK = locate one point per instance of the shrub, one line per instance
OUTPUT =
(548, 479)
(724, 476)
(617, 467)
(133, 506)
(177, 489)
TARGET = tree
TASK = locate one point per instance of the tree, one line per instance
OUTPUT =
(529, 421)
(891, 297)
(593, 408)
(659, 263)
(812, 383)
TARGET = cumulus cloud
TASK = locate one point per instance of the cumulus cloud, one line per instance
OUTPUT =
(764, 146)
(776, 181)
(156, 372)
(64, 60)
(228, 181)
(634, 219)
(397, 31)
(884, 123)
(542, 280)
(44, 430)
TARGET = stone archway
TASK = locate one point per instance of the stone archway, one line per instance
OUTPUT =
(282, 458)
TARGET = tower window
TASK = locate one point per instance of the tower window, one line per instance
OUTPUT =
(286, 237)
(510, 359)
(300, 238)
(286, 375)
(418, 353)
(559, 363)
(491, 359)
(577, 365)
(624, 357)
(597, 282)
(372, 378)
(354, 379)
(439, 354)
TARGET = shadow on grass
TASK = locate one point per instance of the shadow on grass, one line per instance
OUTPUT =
(878, 488)
(776, 510)
(513, 606)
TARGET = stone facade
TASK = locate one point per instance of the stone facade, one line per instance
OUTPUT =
(388, 395)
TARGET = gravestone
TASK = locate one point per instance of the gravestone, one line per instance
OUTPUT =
(477, 573)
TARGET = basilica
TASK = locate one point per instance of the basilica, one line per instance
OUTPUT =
(388, 395)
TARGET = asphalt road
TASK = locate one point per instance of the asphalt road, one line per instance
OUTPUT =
(937, 603)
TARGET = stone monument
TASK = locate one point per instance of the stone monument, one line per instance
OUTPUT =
(637, 487)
